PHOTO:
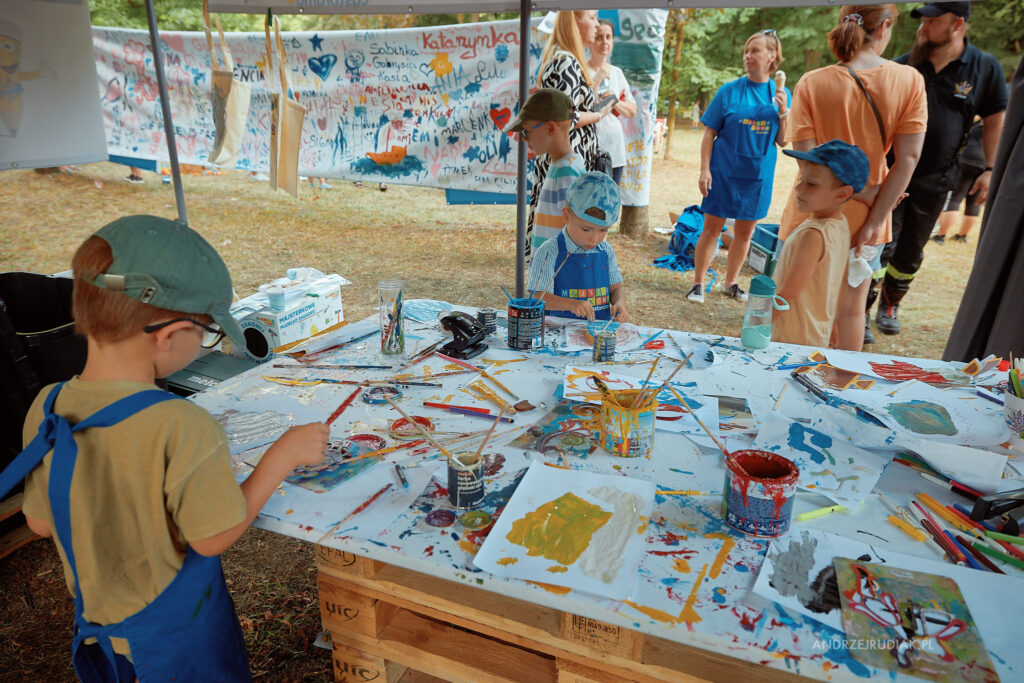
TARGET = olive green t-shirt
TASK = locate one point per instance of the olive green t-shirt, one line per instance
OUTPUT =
(142, 490)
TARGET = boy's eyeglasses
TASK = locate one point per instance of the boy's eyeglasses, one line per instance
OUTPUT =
(525, 132)
(212, 334)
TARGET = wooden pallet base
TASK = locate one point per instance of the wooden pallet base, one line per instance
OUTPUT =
(385, 620)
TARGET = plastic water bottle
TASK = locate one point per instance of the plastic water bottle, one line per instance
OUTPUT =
(757, 319)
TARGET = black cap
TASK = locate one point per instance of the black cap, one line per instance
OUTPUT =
(934, 9)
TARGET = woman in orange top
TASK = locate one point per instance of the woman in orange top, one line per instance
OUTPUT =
(829, 103)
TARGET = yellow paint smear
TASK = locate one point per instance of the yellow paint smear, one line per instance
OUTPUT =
(470, 548)
(688, 615)
(505, 561)
(682, 565)
(558, 569)
(559, 530)
(727, 545)
(559, 590)
(642, 527)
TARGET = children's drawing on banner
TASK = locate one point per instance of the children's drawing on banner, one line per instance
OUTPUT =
(420, 106)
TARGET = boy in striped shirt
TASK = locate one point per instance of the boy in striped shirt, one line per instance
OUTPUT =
(544, 121)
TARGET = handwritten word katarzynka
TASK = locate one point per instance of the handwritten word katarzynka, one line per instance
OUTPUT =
(441, 41)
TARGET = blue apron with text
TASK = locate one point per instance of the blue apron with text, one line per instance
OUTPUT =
(190, 631)
(583, 276)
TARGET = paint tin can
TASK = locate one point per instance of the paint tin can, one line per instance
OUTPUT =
(604, 346)
(525, 324)
(488, 317)
(465, 479)
(627, 431)
(758, 493)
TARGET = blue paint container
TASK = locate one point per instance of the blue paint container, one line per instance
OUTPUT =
(525, 324)
(758, 495)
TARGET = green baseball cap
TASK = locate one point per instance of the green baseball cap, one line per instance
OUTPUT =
(167, 264)
(546, 104)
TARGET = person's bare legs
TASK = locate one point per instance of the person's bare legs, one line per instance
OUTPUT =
(706, 245)
(850, 320)
(946, 221)
(968, 224)
(742, 232)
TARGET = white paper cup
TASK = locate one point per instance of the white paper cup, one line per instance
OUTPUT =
(1013, 413)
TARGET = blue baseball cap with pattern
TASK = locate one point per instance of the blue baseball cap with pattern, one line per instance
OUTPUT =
(594, 197)
(847, 162)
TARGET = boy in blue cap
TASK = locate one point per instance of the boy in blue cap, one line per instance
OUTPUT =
(136, 485)
(814, 258)
(578, 268)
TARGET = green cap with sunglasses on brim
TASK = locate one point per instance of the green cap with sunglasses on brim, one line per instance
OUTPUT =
(545, 104)
(165, 263)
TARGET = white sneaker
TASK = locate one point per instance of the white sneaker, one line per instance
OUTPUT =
(696, 294)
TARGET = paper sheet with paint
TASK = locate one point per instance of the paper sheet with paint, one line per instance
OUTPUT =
(579, 335)
(835, 469)
(572, 528)
(950, 416)
(897, 368)
(678, 348)
(922, 618)
(567, 430)
(578, 385)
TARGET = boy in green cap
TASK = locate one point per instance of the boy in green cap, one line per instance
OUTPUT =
(544, 122)
(153, 501)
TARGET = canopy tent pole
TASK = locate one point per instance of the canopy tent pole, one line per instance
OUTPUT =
(165, 106)
(521, 208)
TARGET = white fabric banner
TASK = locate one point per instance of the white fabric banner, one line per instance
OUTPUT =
(422, 106)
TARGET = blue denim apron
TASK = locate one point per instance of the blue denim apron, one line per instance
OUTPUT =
(584, 276)
(190, 631)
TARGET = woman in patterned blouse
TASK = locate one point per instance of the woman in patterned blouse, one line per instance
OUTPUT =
(563, 66)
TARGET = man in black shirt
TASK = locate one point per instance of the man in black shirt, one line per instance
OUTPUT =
(961, 81)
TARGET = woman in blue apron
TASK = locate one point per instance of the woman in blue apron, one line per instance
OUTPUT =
(744, 123)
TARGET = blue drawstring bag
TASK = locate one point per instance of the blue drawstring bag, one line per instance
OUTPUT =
(683, 242)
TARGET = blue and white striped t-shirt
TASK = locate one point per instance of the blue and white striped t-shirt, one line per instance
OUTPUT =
(547, 217)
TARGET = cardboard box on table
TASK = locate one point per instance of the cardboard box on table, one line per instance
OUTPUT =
(304, 315)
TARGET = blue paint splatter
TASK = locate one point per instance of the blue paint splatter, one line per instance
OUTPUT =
(741, 568)
(719, 595)
(405, 167)
(797, 435)
(407, 114)
(472, 88)
(673, 469)
(452, 139)
(359, 111)
(500, 54)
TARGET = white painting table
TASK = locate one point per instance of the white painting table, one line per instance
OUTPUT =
(389, 579)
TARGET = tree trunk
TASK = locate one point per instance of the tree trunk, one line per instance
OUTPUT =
(633, 222)
(671, 127)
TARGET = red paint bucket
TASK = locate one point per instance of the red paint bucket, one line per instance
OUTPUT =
(758, 493)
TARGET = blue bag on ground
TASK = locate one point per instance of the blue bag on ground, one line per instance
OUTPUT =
(683, 241)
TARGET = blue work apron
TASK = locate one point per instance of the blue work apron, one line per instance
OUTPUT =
(584, 276)
(190, 631)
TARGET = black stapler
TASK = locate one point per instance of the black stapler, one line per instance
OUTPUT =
(467, 336)
(1009, 505)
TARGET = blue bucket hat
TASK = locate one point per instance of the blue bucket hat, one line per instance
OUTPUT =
(847, 162)
(594, 197)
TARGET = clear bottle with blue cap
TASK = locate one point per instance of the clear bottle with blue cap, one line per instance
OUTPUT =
(757, 319)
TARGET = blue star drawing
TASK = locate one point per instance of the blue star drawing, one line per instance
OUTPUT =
(315, 41)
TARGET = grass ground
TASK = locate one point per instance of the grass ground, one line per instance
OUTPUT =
(459, 254)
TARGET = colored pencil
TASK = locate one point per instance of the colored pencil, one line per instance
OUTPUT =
(936, 507)
(485, 415)
(820, 512)
(954, 486)
(355, 512)
(330, 366)
(915, 534)
(931, 539)
(432, 404)
(1004, 537)
(967, 556)
(1003, 557)
(978, 555)
(951, 551)
(344, 404)
(988, 396)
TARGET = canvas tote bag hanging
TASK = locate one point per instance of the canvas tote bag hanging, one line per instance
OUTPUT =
(230, 99)
(286, 118)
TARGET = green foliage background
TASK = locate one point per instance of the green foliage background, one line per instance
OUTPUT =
(712, 38)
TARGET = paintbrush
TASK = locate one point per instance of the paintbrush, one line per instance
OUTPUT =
(610, 321)
(412, 444)
(365, 504)
(420, 356)
(510, 297)
(728, 455)
(424, 433)
(669, 379)
(325, 366)
(552, 280)
(489, 433)
(606, 393)
(341, 408)
(521, 404)
(643, 385)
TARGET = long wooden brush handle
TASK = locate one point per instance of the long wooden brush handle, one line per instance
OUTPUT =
(488, 437)
(700, 422)
(643, 387)
(423, 432)
(669, 379)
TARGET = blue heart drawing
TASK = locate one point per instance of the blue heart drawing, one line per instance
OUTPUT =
(322, 66)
